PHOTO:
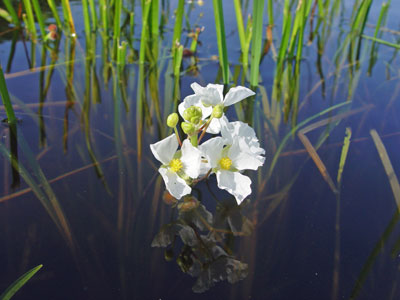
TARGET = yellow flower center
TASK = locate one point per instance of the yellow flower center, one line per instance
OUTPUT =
(225, 163)
(175, 165)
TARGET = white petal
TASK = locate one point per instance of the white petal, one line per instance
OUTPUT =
(214, 127)
(191, 159)
(210, 95)
(235, 183)
(227, 130)
(176, 186)
(242, 157)
(197, 88)
(165, 149)
(232, 130)
(212, 149)
(237, 94)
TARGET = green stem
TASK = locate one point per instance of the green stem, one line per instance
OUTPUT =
(193, 140)
(177, 136)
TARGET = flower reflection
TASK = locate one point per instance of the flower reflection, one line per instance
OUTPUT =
(199, 239)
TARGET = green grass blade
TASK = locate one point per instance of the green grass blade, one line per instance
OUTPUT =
(394, 183)
(56, 16)
(16, 285)
(117, 27)
(68, 16)
(297, 127)
(5, 97)
(39, 17)
(343, 156)
(30, 19)
(93, 14)
(258, 12)
(178, 24)
(380, 41)
(221, 39)
(12, 12)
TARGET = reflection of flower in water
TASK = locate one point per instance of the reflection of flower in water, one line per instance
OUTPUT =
(203, 254)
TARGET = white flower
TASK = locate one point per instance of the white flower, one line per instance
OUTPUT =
(233, 130)
(227, 161)
(212, 95)
(177, 164)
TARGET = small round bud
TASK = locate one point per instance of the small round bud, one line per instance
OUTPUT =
(218, 111)
(187, 128)
(193, 112)
(195, 120)
(172, 120)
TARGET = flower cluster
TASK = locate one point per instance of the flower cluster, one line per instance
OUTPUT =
(236, 149)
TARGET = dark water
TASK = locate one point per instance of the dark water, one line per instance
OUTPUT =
(306, 242)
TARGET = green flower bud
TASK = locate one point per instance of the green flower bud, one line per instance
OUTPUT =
(187, 128)
(195, 120)
(172, 120)
(194, 113)
(218, 111)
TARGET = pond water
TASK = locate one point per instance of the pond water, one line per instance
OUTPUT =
(95, 202)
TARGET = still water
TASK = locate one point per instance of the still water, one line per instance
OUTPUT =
(295, 237)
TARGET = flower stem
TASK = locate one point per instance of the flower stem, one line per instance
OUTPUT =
(177, 136)
(193, 140)
(205, 129)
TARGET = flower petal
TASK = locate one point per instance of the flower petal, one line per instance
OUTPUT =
(212, 149)
(191, 159)
(237, 94)
(232, 130)
(214, 127)
(242, 157)
(165, 149)
(235, 183)
(176, 186)
(210, 95)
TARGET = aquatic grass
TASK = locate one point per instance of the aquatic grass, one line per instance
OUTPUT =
(86, 20)
(140, 95)
(380, 41)
(257, 37)
(244, 34)
(293, 130)
(56, 16)
(336, 259)
(395, 186)
(68, 17)
(374, 50)
(221, 39)
(394, 183)
(117, 26)
(12, 12)
(5, 97)
(343, 156)
(93, 14)
(39, 17)
(19, 283)
(176, 37)
(30, 21)
(46, 197)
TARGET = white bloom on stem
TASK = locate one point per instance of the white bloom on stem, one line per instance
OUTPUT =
(177, 164)
(212, 95)
(233, 130)
(227, 161)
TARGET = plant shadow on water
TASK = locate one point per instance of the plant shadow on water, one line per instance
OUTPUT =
(91, 85)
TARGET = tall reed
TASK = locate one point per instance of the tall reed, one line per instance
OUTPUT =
(221, 39)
